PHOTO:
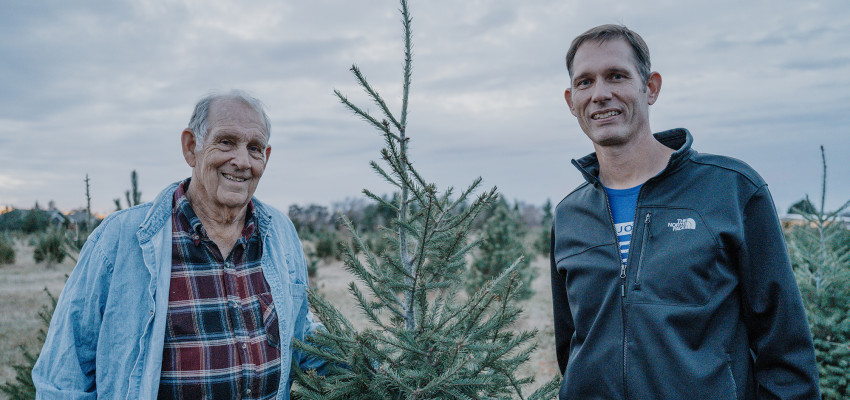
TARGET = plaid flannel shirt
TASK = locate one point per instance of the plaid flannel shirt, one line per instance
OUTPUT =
(221, 339)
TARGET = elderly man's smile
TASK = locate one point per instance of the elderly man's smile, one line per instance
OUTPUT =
(234, 178)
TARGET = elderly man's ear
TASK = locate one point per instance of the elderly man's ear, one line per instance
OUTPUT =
(187, 138)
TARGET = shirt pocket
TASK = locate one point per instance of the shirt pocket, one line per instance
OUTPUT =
(677, 261)
(270, 320)
(298, 291)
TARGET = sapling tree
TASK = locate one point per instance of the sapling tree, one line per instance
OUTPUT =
(502, 242)
(22, 388)
(423, 340)
(820, 254)
(132, 196)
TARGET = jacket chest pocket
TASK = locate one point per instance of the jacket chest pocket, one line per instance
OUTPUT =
(677, 259)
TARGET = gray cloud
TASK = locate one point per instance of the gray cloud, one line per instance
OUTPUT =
(105, 88)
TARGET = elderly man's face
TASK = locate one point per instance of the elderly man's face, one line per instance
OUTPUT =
(226, 170)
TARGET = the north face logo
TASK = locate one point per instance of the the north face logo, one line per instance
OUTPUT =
(688, 223)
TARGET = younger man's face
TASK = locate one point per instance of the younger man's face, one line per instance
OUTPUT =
(607, 94)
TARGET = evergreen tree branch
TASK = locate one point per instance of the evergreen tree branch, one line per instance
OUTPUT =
(408, 63)
(374, 95)
(365, 115)
(386, 177)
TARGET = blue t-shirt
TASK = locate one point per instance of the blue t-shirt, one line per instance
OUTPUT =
(623, 203)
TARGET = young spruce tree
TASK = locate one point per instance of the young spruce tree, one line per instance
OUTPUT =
(423, 342)
(22, 387)
(502, 242)
(820, 254)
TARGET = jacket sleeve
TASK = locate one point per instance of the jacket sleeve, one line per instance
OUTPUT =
(779, 336)
(310, 326)
(564, 327)
(307, 361)
(65, 368)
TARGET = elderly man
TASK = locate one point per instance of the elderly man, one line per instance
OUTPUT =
(670, 277)
(196, 295)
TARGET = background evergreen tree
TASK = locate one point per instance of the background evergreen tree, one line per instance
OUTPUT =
(7, 249)
(74, 241)
(35, 220)
(502, 242)
(132, 196)
(22, 387)
(820, 253)
(802, 207)
(422, 343)
(542, 240)
(49, 247)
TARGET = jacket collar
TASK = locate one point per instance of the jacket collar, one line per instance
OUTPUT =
(160, 214)
(678, 139)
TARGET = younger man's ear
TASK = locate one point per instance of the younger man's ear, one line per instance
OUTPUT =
(653, 87)
(569, 100)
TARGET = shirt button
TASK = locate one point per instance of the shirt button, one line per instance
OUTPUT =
(245, 346)
(247, 391)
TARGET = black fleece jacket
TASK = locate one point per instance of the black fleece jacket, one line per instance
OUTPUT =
(707, 307)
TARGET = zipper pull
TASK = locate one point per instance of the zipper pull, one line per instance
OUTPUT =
(646, 221)
(623, 280)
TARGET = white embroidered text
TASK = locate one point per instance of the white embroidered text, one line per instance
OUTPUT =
(687, 223)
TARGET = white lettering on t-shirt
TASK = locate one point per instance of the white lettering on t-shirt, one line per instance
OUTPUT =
(624, 235)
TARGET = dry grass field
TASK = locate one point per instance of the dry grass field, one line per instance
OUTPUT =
(21, 297)
(22, 293)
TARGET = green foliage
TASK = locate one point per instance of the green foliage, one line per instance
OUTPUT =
(7, 250)
(501, 245)
(820, 254)
(50, 247)
(327, 244)
(802, 207)
(312, 262)
(12, 220)
(543, 238)
(22, 387)
(35, 220)
(132, 196)
(310, 220)
(422, 342)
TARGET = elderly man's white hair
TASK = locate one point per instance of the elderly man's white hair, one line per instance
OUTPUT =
(198, 123)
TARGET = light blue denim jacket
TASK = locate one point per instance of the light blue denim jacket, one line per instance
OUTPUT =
(107, 333)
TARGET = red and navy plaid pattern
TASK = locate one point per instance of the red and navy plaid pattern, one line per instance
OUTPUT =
(221, 339)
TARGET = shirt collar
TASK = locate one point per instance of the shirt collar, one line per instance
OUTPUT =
(182, 206)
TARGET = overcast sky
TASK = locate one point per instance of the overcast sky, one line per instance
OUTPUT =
(105, 87)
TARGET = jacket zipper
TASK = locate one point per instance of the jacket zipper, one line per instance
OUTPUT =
(619, 250)
(642, 245)
(622, 284)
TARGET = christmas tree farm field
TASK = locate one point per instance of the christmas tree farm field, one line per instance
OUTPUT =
(21, 297)
(22, 292)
